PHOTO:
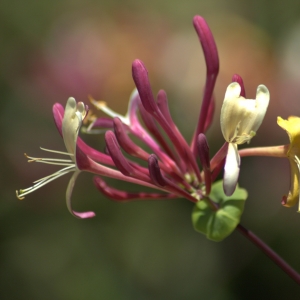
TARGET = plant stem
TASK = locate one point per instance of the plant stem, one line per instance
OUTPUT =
(275, 151)
(270, 253)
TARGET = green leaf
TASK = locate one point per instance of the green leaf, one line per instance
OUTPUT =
(217, 225)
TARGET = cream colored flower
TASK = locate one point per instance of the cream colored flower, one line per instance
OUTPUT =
(240, 119)
(71, 123)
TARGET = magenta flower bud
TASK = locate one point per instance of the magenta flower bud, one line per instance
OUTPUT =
(237, 78)
(208, 45)
(154, 170)
(152, 127)
(125, 166)
(203, 151)
(140, 77)
(115, 152)
(125, 142)
(212, 69)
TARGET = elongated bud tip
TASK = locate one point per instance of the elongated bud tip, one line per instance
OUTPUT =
(199, 21)
(203, 151)
(154, 170)
(208, 45)
(139, 72)
(237, 78)
(116, 154)
(141, 80)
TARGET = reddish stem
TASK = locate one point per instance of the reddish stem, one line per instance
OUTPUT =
(282, 264)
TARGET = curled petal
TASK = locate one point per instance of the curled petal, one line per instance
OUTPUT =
(293, 197)
(262, 103)
(231, 169)
(292, 127)
(80, 215)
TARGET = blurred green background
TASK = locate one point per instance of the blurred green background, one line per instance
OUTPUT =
(51, 50)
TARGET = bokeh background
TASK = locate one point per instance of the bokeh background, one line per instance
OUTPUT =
(51, 50)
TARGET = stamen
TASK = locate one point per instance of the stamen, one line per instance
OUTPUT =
(69, 164)
(51, 161)
(103, 123)
(62, 170)
(101, 105)
(58, 152)
(43, 181)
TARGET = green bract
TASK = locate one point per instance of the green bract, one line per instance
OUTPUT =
(218, 224)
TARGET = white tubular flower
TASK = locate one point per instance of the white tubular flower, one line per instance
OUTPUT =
(240, 119)
(71, 123)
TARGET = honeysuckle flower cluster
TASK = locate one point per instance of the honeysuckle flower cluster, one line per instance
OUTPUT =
(172, 169)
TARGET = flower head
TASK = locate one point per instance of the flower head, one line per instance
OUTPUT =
(240, 119)
(171, 161)
(292, 127)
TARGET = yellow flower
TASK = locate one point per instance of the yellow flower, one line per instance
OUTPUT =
(292, 127)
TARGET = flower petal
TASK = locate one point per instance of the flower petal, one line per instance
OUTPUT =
(240, 117)
(74, 113)
(80, 215)
(230, 117)
(292, 127)
(231, 169)
(262, 103)
(293, 196)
